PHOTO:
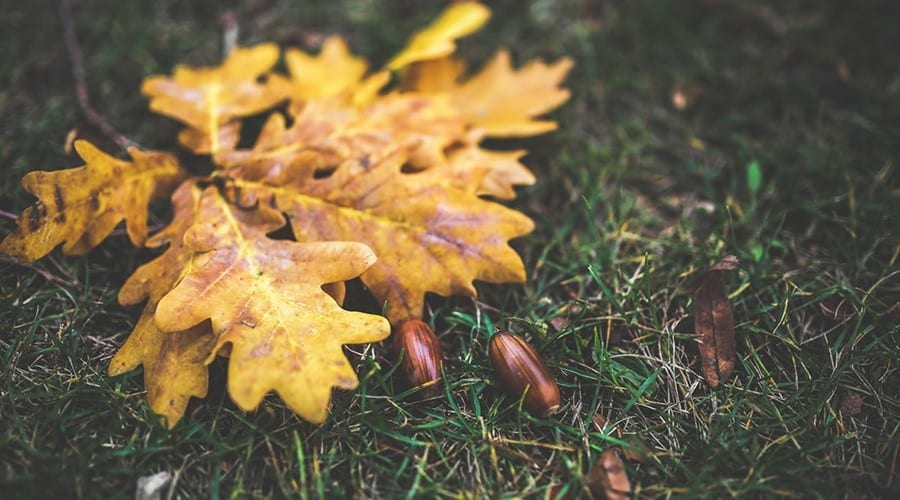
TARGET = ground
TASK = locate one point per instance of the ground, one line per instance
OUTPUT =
(697, 129)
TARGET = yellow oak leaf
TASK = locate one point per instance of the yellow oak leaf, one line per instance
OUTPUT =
(429, 235)
(201, 143)
(502, 101)
(174, 362)
(155, 278)
(369, 88)
(503, 170)
(437, 40)
(80, 207)
(334, 70)
(332, 132)
(206, 99)
(264, 299)
(431, 132)
(434, 75)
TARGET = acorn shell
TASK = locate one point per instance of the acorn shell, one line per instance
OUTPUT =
(420, 355)
(521, 369)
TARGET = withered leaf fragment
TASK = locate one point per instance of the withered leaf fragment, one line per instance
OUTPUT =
(79, 207)
(714, 323)
(609, 478)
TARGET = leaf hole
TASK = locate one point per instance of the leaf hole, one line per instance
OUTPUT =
(358, 298)
(285, 232)
(409, 168)
(324, 172)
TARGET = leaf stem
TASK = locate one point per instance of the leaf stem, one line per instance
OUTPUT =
(8, 215)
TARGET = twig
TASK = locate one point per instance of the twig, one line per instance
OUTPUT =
(8, 215)
(229, 22)
(68, 23)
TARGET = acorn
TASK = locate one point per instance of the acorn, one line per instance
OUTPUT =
(420, 355)
(522, 371)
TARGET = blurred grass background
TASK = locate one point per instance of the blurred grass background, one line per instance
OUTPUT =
(770, 130)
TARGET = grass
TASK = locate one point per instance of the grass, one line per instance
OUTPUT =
(784, 154)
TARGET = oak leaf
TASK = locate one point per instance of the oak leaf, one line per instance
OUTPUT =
(437, 40)
(609, 478)
(439, 239)
(502, 170)
(80, 207)
(330, 73)
(174, 362)
(264, 297)
(504, 101)
(209, 99)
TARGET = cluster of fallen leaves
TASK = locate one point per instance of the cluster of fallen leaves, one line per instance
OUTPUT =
(391, 186)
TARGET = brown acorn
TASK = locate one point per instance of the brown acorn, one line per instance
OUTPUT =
(520, 369)
(420, 355)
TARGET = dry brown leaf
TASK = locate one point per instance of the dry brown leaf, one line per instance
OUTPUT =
(79, 207)
(609, 478)
(714, 323)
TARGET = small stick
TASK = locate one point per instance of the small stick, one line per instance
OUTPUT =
(8, 215)
(229, 22)
(68, 23)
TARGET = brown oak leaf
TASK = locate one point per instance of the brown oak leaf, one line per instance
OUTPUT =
(609, 478)
(504, 102)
